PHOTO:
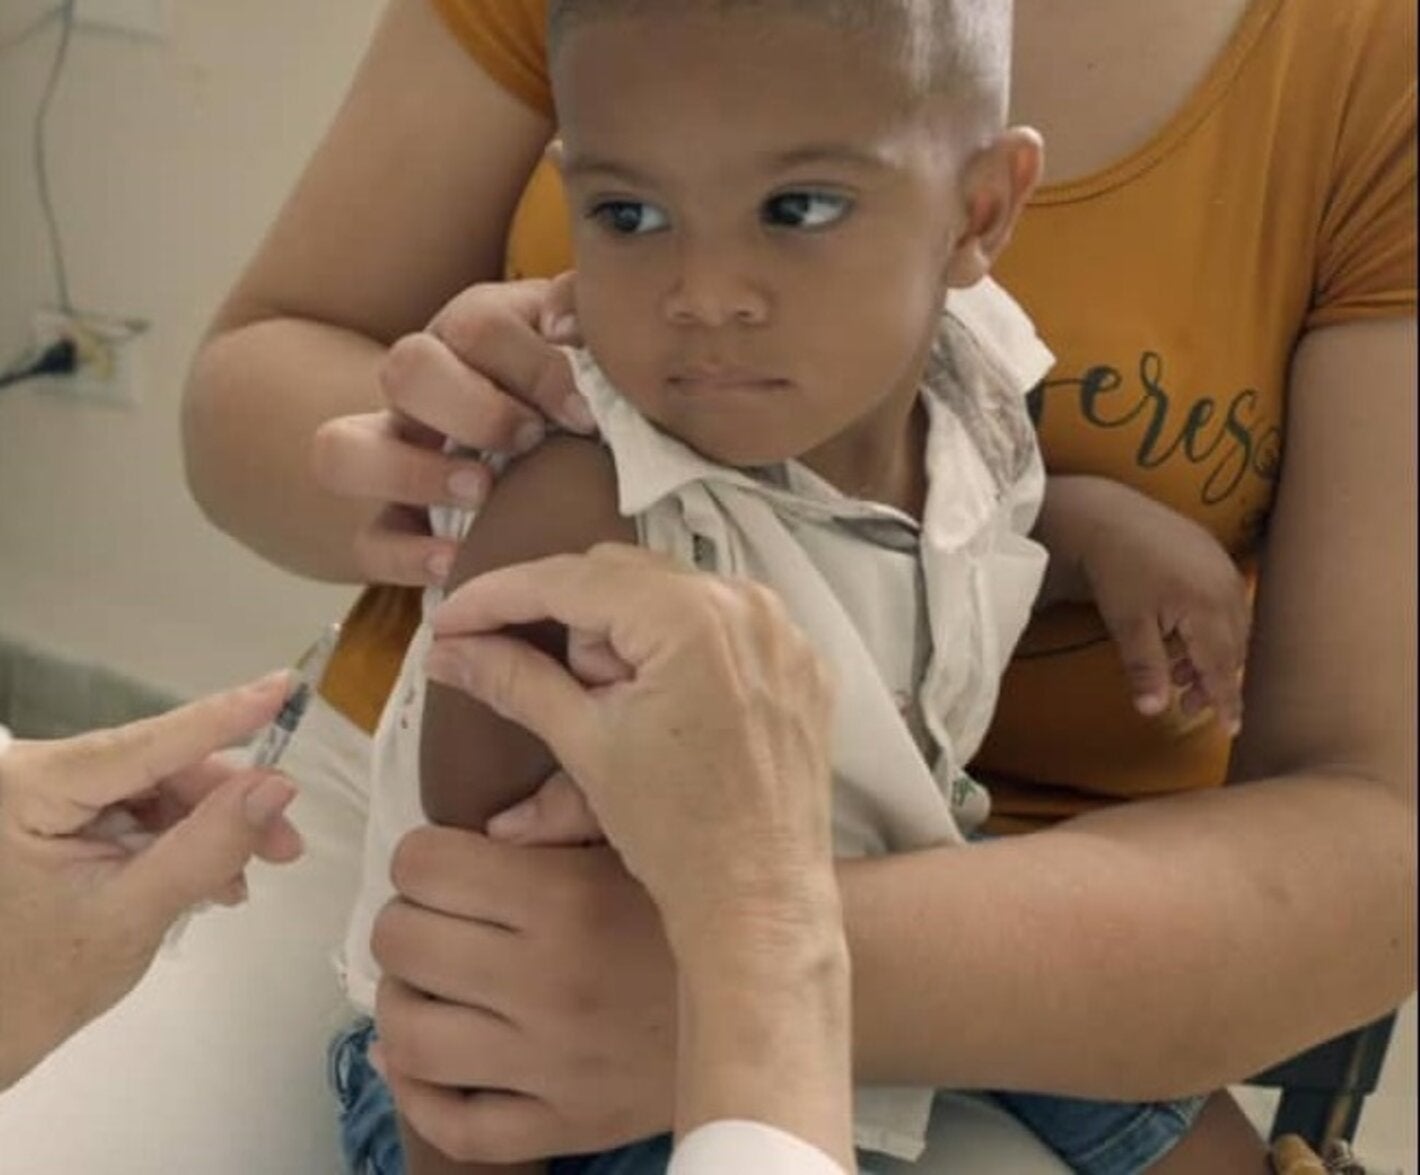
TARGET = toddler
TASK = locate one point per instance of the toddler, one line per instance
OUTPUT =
(772, 201)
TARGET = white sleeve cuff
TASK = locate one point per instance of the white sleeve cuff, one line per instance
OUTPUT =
(731, 1147)
(5, 740)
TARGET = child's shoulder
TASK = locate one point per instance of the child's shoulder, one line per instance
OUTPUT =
(561, 497)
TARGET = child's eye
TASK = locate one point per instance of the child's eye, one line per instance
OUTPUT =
(629, 218)
(806, 209)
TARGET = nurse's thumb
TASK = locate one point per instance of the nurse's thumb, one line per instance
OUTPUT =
(201, 858)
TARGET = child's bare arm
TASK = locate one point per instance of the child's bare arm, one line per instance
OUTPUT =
(561, 498)
(473, 763)
(1170, 595)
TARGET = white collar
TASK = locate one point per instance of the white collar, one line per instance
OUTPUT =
(1009, 358)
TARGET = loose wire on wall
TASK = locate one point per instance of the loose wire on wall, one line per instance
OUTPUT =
(39, 24)
(41, 157)
(87, 332)
(59, 358)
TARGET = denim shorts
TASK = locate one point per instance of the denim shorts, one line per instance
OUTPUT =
(1104, 1138)
(1095, 1138)
(369, 1126)
(369, 1129)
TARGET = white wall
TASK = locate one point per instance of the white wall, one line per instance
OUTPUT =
(167, 162)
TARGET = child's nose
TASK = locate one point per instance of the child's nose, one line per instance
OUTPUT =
(714, 288)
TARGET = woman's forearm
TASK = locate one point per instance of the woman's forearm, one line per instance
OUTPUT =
(255, 397)
(1156, 950)
(764, 1031)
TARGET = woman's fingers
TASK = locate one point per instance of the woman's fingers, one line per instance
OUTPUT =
(495, 329)
(55, 789)
(519, 683)
(556, 814)
(593, 661)
(559, 316)
(463, 874)
(449, 1044)
(613, 586)
(486, 374)
(374, 457)
(451, 958)
(396, 547)
(426, 381)
(477, 1125)
(181, 794)
(200, 857)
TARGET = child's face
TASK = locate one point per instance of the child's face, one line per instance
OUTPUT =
(763, 222)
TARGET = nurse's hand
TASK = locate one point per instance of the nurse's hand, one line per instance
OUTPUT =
(705, 740)
(106, 839)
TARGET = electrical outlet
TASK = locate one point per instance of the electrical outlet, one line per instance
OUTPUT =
(107, 354)
(137, 18)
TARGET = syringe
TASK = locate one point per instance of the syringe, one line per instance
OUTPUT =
(309, 669)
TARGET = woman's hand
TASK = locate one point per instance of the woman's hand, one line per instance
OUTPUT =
(486, 373)
(713, 746)
(539, 972)
(108, 838)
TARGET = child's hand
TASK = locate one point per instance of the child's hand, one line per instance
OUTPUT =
(1170, 595)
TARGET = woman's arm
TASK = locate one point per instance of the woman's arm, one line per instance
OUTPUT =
(406, 202)
(1171, 946)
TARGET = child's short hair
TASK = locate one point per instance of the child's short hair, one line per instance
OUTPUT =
(960, 49)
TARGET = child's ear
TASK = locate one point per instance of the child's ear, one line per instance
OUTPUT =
(996, 183)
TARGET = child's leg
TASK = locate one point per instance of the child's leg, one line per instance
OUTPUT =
(422, 1159)
(1222, 1139)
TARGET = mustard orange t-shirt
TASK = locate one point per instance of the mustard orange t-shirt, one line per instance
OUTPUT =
(1173, 287)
